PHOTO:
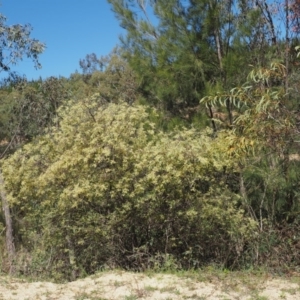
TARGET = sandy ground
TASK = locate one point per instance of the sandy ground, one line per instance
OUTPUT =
(131, 286)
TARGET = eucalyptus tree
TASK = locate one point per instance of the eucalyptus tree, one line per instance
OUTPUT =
(111, 76)
(15, 43)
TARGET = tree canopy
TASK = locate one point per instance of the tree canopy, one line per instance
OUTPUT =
(15, 43)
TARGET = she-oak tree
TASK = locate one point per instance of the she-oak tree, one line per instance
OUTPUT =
(184, 50)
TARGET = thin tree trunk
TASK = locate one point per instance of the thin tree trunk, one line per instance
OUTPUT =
(10, 246)
(263, 5)
(211, 115)
(72, 258)
(287, 45)
(243, 193)
(219, 48)
(220, 58)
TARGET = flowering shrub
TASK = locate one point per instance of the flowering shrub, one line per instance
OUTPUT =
(106, 188)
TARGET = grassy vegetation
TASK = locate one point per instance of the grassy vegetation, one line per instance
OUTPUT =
(208, 283)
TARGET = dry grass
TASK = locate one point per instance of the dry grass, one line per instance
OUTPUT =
(201, 285)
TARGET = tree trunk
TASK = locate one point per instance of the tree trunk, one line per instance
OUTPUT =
(10, 246)
(287, 45)
(72, 258)
(211, 115)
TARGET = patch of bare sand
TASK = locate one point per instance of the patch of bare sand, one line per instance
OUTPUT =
(130, 286)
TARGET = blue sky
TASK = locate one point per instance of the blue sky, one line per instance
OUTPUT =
(69, 28)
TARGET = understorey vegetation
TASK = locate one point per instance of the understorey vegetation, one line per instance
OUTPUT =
(178, 150)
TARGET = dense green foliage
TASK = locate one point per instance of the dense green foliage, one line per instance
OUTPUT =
(109, 189)
(179, 149)
(181, 50)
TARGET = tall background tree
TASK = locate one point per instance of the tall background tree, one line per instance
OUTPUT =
(15, 43)
(183, 50)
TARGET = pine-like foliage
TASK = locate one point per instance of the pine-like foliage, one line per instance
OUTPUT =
(182, 49)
